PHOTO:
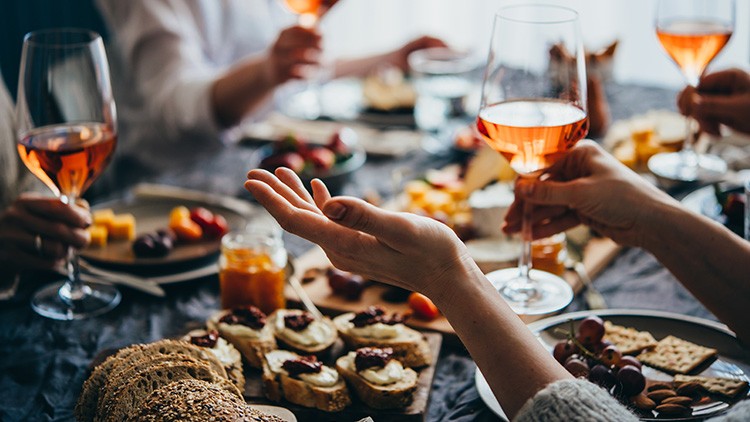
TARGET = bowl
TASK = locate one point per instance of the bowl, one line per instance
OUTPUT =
(335, 178)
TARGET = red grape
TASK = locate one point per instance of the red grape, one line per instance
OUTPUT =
(563, 350)
(631, 379)
(610, 356)
(629, 360)
(590, 331)
(602, 376)
(577, 367)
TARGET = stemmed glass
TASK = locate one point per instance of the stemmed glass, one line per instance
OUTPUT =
(692, 32)
(65, 118)
(532, 116)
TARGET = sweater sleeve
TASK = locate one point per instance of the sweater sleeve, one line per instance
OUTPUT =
(573, 400)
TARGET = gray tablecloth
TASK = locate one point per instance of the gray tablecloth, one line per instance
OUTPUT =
(43, 363)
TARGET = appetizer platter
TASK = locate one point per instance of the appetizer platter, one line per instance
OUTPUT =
(663, 366)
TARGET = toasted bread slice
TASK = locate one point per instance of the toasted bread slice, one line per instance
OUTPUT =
(252, 344)
(196, 400)
(316, 339)
(389, 396)
(126, 399)
(227, 354)
(409, 346)
(278, 384)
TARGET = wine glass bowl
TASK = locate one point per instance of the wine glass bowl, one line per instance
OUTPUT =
(692, 32)
(532, 118)
(67, 132)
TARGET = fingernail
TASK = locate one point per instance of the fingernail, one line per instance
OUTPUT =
(334, 211)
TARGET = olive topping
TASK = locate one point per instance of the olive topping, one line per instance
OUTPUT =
(209, 340)
(249, 316)
(374, 314)
(302, 365)
(369, 357)
(298, 321)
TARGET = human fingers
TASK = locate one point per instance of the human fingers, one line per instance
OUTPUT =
(320, 192)
(291, 179)
(723, 82)
(298, 37)
(555, 225)
(551, 192)
(542, 213)
(685, 100)
(50, 229)
(54, 209)
(21, 260)
(282, 189)
(729, 110)
(34, 244)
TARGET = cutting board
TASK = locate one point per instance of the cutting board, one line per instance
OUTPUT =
(415, 412)
(597, 254)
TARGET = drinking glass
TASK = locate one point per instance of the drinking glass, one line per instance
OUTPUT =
(65, 120)
(692, 32)
(532, 119)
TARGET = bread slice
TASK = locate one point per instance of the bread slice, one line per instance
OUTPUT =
(410, 347)
(390, 396)
(169, 347)
(278, 384)
(252, 348)
(126, 399)
(324, 326)
(199, 401)
(226, 353)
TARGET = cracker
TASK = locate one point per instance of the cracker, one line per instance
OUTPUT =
(676, 356)
(728, 387)
(628, 340)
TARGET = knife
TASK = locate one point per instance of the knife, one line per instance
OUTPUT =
(139, 283)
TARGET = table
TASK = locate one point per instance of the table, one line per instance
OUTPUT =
(43, 363)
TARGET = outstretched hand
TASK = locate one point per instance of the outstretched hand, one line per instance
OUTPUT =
(720, 98)
(406, 250)
(588, 186)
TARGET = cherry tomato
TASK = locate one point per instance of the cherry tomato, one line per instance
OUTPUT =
(186, 230)
(202, 217)
(422, 306)
(216, 228)
(178, 214)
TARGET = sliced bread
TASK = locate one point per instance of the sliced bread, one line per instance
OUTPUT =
(409, 346)
(227, 354)
(251, 343)
(395, 395)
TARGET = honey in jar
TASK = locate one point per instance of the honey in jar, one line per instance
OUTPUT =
(252, 271)
(549, 254)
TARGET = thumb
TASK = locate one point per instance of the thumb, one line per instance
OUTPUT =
(359, 215)
(548, 192)
(719, 107)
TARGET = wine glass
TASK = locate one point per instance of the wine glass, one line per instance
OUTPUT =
(532, 113)
(65, 118)
(692, 32)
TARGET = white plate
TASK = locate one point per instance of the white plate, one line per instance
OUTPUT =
(733, 361)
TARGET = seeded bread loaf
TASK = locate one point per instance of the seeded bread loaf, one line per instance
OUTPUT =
(126, 399)
(410, 347)
(252, 348)
(198, 401)
(390, 396)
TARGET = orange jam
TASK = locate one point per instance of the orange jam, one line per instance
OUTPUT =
(549, 254)
(249, 277)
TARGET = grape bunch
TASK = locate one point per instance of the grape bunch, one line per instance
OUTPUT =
(586, 354)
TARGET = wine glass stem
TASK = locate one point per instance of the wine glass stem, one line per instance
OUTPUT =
(689, 156)
(73, 289)
(524, 259)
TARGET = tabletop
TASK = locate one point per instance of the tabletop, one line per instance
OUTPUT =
(43, 363)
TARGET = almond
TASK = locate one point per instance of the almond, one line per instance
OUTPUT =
(681, 400)
(642, 402)
(690, 389)
(673, 410)
(659, 395)
(659, 386)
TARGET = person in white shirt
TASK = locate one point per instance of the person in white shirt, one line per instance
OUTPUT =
(187, 70)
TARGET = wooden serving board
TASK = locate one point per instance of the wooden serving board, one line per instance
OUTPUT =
(597, 254)
(357, 410)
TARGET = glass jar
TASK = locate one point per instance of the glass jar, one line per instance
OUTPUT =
(549, 254)
(252, 269)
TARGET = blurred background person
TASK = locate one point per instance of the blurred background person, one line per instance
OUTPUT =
(190, 69)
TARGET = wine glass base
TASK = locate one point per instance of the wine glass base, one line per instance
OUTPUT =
(671, 166)
(101, 298)
(552, 292)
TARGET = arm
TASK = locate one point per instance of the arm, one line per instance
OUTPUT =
(591, 187)
(386, 246)
(360, 67)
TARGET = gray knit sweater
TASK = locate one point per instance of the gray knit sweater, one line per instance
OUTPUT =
(580, 400)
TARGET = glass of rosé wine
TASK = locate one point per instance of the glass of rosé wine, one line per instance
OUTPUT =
(692, 32)
(67, 131)
(532, 117)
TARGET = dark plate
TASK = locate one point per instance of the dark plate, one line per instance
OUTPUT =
(152, 213)
(733, 360)
(704, 201)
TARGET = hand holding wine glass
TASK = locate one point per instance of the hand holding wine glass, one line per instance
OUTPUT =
(532, 119)
(692, 32)
(65, 118)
